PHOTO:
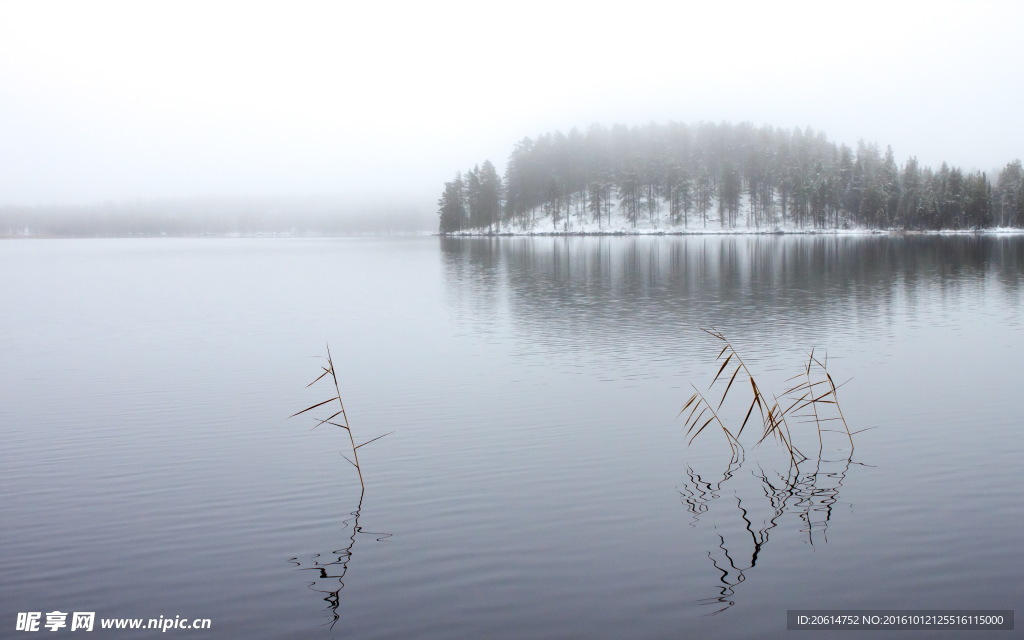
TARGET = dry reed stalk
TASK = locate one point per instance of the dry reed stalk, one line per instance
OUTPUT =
(812, 392)
(330, 371)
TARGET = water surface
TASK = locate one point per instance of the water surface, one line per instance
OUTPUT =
(538, 483)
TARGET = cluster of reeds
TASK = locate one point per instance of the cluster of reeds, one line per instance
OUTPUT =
(805, 411)
(812, 399)
(339, 418)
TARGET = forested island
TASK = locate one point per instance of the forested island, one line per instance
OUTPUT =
(720, 177)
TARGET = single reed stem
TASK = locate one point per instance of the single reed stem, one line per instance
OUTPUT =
(344, 416)
(814, 406)
(329, 370)
(839, 410)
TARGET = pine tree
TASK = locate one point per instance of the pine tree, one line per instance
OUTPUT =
(489, 197)
(1010, 195)
(452, 207)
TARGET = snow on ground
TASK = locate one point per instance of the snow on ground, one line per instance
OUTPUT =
(581, 222)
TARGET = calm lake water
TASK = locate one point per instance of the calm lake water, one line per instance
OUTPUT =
(538, 483)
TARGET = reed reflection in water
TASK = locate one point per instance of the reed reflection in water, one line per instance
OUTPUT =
(336, 569)
(806, 493)
(812, 406)
(331, 568)
(534, 486)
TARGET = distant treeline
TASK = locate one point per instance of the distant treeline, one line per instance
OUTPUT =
(731, 175)
(207, 217)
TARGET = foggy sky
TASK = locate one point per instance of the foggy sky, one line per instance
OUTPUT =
(108, 101)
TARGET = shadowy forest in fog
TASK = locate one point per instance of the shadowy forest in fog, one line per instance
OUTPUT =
(210, 217)
(734, 176)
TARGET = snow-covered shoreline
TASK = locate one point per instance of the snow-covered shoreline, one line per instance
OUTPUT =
(731, 232)
(580, 223)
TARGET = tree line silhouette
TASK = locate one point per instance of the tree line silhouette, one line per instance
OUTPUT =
(726, 175)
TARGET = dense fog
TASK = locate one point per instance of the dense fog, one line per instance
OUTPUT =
(112, 104)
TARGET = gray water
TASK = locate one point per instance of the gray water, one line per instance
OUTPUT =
(538, 482)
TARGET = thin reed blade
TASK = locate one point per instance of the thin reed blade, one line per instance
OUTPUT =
(724, 365)
(327, 419)
(702, 428)
(729, 386)
(319, 404)
(374, 439)
(326, 371)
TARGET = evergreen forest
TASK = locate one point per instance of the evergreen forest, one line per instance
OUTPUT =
(722, 176)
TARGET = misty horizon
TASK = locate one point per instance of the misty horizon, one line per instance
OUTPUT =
(397, 211)
(298, 215)
(115, 102)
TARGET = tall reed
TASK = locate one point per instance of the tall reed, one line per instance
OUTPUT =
(329, 370)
